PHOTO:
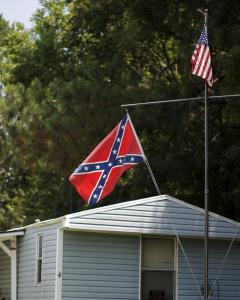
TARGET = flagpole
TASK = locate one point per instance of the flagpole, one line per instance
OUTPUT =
(206, 189)
(169, 101)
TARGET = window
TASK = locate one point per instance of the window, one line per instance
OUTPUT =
(39, 258)
(158, 270)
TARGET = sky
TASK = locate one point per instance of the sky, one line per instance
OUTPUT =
(18, 10)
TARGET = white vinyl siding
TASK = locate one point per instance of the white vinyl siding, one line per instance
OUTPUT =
(100, 267)
(27, 247)
(228, 284)
(156, 215)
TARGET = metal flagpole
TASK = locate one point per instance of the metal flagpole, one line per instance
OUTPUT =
(178, 100)
(206, 189)
(206, 167)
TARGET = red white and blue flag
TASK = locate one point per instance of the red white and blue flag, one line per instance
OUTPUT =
(201, 59)
(97, 176)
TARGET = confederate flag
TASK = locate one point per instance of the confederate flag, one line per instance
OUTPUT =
(97, 176)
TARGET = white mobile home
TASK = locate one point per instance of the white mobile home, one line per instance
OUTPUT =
(147, 249)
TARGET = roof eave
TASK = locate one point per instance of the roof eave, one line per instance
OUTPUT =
(9, 234)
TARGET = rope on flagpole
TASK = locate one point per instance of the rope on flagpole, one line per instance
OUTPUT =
(152, 176)
(145, 158)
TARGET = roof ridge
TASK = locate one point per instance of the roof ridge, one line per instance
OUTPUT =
(117, 205)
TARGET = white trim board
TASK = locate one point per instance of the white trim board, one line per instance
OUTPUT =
(59, 261)
(5, 249)
(9, 234)
(13, 269)
(11, 252)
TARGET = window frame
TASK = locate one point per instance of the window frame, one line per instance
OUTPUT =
(174, 270)
(39, 268)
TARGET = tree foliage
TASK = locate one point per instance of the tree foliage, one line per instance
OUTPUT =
(63, 83)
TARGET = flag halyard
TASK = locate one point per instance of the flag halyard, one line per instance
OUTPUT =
(97, 176)
(201, 59)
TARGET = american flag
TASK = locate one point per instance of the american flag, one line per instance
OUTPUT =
(201, 59)
(96, 177)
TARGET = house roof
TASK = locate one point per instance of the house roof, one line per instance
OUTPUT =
(163, 215)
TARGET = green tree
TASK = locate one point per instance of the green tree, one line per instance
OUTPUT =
(64, 82)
